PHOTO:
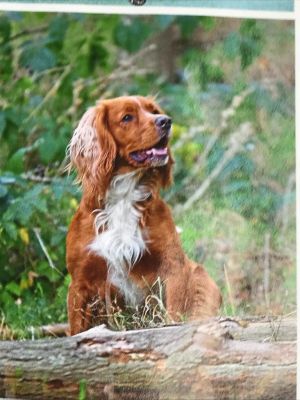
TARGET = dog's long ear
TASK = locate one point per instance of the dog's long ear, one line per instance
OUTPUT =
(83, 150)
(107, 144)
(92, 151)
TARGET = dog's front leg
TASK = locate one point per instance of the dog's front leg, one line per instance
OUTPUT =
(84, 306)
(190, 293)
(176, 292)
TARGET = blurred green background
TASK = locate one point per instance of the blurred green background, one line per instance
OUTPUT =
(228, 85)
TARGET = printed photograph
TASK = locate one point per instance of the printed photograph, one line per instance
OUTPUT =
(147, 182)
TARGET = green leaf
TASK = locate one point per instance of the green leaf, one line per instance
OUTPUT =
(232, 45)
(237, 185)
(132, 34)
(16, 162)
(58, 28)
(48, 147)
(7, 180)
(37, 58)
(22, 208)
(44, 269)
(15, 115)
(11, 230)
(251, 42)
(13, 288)
(2, 122)
(207, 22)
(187, 25)
(58, 190)
(41, 205)
(3, 191)
(98, 55)
(239, 166)
(249, 50)
(5, 28)
(57, 238)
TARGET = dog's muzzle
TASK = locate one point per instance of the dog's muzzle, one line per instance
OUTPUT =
(163, 123)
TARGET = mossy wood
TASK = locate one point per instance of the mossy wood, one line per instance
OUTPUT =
(218, 359)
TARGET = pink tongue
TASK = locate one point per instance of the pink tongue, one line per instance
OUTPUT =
(157, 152)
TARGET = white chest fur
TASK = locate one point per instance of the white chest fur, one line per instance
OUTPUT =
(119, 237)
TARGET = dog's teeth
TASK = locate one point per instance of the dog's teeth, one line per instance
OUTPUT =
(161, 152)
(157, 152)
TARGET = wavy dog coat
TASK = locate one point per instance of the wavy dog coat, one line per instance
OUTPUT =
(122, 237)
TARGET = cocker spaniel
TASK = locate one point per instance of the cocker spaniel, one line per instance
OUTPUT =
(122, 237)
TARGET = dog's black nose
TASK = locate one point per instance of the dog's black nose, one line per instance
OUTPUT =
(163, 122)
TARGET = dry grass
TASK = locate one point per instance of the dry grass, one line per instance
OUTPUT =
(151, 313)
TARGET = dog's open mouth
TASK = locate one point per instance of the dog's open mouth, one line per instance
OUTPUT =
(156, 156)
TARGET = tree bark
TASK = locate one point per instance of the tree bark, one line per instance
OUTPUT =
(218, 359)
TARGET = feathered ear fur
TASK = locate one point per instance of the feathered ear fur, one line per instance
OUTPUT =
(92, 151)
(83, 150)
(107, 143)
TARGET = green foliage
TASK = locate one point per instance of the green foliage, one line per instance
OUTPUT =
(131, 34)
(82, 389)
(54, 66)
(247, 43)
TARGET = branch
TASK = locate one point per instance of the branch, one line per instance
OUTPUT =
(216, 133)
(52, 92)
(267, 266)
(285, 209)
(236, 141)
(45, 251)
(225, 118)
(28, 32)
(55, 330)
(208, 360)
(124, 70)
(37, 178)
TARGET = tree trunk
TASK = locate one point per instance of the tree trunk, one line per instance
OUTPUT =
(217, 359)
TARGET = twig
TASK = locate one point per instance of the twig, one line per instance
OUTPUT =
(118, 75)
(48, 71)
(285, 208)
(50, 94)
(289, 314)
(215, 135)
(36, 178)
(190, 135)
(124, 70)
(275, 326)
(225, 117)
(267, 269)
(45, 251)
(108, 303)
(228, 285)
(56, 330)
(236, 141)
(28, 32)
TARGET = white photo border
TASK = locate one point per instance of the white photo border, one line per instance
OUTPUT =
(146, 10)
(192, 11)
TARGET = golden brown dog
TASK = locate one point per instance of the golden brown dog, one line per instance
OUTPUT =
(122, 237)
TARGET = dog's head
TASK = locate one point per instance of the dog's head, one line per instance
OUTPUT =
(131, 131)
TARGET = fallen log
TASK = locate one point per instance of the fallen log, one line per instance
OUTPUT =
(56, 330)
(250, 328)
(208, 360)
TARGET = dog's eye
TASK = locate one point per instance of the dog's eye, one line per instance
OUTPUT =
(155, 112)
(127, 118)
